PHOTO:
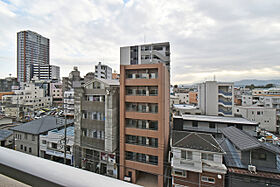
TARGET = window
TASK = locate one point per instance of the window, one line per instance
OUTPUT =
(183, 154)
(33, 137)
(208, 179)
(179, 172)
(189, 155)
(21, 147)
(258, 113)
(206, 156)
(25, 136)
(212, 125)
(24, 148)
(30, 150)
(54, 145)
(194, 124)
(44, 142)
(258, 155)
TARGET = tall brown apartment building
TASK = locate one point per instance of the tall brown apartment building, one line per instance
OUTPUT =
(144, 111)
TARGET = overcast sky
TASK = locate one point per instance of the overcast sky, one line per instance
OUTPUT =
(231, 39)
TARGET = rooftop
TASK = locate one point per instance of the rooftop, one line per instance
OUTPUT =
(244, 141)
(217, 119)
(42, 125)
(4, 134)
(198, 141)
(69, 131)
(184, 106)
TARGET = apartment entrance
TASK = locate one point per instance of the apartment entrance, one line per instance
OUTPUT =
(146, 179)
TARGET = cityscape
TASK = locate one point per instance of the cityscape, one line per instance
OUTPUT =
(136, 122)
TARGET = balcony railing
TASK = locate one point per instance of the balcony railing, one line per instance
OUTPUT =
(225, 112)
(225, 93)
(225, 102)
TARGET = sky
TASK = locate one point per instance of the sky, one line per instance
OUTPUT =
(231, 40)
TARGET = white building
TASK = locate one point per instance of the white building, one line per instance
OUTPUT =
(182, 109)
(183, 98)
(247, 100)
(30, 98)
(216, 98)
(52, 145)
(69, 103)
(103, 71)
(56, 93)
(46, 72)
(266, 117)
(197, 158)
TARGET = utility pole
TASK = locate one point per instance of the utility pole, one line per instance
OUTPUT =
(65, 126)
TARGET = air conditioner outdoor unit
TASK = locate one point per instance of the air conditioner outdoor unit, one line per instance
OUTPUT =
(252, 168)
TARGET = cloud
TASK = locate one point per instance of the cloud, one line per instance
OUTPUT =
(232, 39)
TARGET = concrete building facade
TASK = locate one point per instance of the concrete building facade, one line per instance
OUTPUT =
(266, 117)
(103, 71)
(144, 111)
(32, 48)
(216, 98)
(46, 72)
(97, 126)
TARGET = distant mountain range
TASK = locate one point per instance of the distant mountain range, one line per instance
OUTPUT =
(243, 83)
(256, 82)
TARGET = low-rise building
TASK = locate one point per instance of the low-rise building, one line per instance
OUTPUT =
(266, 117)
(174, 100)
(6, 138)
(30, 98)
(183, 98)
(27, 135)
(250, 163)
(197, 160)
(52, 145)
(182, 109)
(69, 103)
(56, 94)
(212, 124)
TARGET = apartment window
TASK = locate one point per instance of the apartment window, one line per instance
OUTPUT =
(258, 113)
(207, 156)
(21, 147)
(44, 142)
(54, 145)
(208, 179)
(194, 124)
(179, 172)
(30, 150)
(212, 125)
(189, 155)
(25, 148)
(258, 155)
(183, 154)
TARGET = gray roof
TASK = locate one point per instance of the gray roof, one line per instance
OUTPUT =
(217, 119)
(42, 125)
(232, 157)
(198, 141)
(244, 141)
(4, 134)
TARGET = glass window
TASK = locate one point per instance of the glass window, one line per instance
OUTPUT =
(183, 154)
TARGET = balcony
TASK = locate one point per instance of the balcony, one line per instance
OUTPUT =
(225, 93)
(225, 112)
(226, 103)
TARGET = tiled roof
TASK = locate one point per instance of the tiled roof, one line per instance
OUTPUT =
(244, 141)
(42, 125)
(198, 141)
(257, 174)
(4, 134)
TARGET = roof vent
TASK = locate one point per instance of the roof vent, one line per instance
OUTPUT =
(252, 168)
